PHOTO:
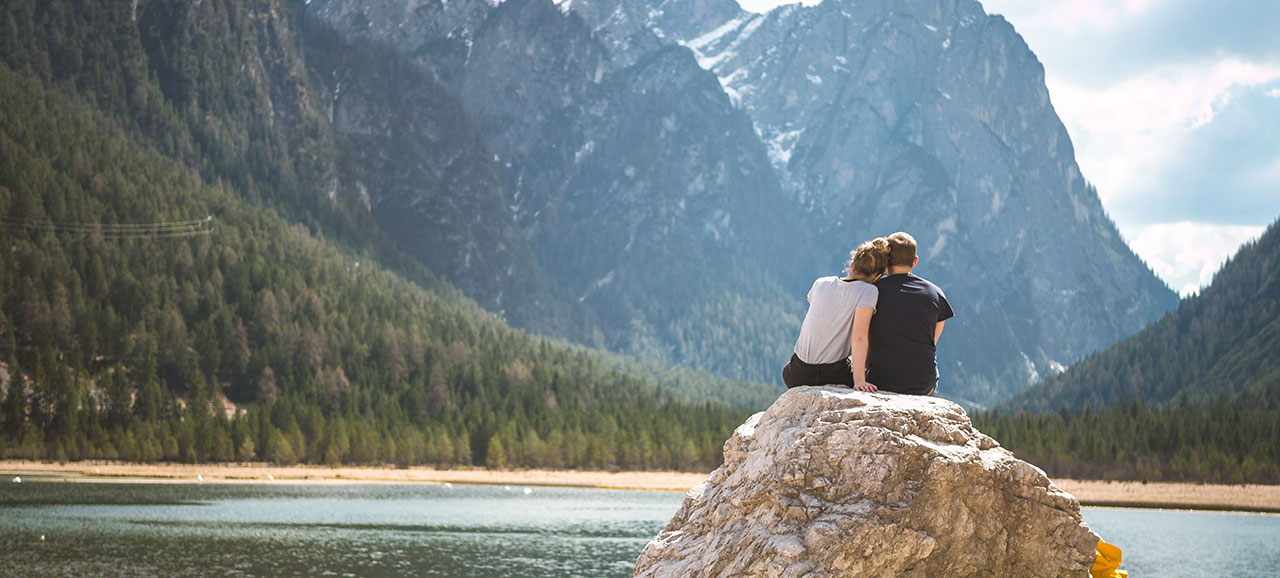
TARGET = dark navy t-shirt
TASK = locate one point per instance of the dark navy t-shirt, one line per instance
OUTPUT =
(902, 357)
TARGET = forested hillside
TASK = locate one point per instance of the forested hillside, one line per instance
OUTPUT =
(185, 276)
(1224, 340)
(1195, 396)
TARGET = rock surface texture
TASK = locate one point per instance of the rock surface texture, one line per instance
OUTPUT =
(833, 482)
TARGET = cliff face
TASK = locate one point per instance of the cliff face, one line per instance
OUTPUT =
(931, 117)
(424, 172)
(436, 34)
(643, 192)
(682, 170)
(830, 482)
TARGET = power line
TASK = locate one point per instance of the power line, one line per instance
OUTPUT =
(114, 231)
(175, 235)
(161, 224)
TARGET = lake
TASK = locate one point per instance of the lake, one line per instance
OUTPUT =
(284, 529)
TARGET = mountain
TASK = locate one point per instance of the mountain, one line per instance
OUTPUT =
(1193, 397)
(365, 134)
(932, 117)
(196, 267)
(426, 176)
(643, 192)
(683, 169)
(1223, 341)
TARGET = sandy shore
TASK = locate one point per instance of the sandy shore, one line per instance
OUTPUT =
(1242, 498)
(115, 472)
(1247, 498)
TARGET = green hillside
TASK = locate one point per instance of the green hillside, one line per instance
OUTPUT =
(186, 275)
(1195, 396)
(1224, 340)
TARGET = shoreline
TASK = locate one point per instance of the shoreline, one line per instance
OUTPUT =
(1254, 498)
(1091, 493)
(263, 473)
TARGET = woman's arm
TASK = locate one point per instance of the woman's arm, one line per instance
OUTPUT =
(861, 327)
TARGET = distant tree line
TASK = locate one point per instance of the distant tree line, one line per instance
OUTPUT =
(1220, 440)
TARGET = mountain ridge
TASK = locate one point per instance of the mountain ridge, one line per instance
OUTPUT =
(590, 161)
(700, 247)
(929, 116)
(946, 165)
(1193, 397)
(1223, 340)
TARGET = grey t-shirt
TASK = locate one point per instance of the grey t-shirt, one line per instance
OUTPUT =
(825, 333)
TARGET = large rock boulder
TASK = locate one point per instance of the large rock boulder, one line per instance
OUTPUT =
(834, 482)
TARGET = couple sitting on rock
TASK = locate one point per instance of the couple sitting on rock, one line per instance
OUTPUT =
(874, 330)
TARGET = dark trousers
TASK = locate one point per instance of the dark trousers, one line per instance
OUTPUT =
(911, 390)
(797, 373)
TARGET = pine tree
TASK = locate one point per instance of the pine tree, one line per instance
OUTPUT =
(496, 454)
(14, 412)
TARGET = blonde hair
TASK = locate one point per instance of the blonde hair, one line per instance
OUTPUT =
(902, 249)
(869, 259)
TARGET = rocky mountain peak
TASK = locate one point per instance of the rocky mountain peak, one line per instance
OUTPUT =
(682, 170)
(932, 117)
(632, 27)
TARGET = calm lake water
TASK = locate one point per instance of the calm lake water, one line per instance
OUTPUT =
(427, 530)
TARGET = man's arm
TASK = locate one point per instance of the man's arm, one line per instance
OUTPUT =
(937, 332)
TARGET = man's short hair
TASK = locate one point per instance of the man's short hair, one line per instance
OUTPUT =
(902, 249)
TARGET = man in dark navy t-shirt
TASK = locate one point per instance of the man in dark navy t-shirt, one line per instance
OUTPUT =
(907, 324)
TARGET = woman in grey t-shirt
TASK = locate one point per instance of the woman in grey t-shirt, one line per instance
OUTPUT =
(832, 347)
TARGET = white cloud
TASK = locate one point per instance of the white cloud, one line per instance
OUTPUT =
(1074, 15)
(1186, 254)
(1126, 132)
(1069, 17)
(1150, 111)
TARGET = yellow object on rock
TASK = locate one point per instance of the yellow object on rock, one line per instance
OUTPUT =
(1107, 564)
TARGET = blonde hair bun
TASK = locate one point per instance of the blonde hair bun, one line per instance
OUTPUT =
(869, 259)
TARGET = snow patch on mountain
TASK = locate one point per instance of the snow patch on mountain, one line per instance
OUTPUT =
(781, 147)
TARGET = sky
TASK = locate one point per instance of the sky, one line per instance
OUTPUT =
(1173, 107)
